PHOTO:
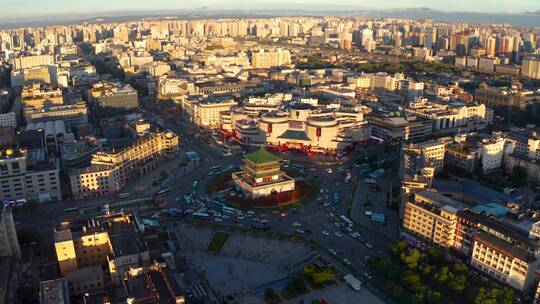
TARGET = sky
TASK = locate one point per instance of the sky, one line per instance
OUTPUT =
(24, 9)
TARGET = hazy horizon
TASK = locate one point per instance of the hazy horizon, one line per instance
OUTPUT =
(13, 10)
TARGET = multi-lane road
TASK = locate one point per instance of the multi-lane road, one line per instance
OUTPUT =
(318, 220)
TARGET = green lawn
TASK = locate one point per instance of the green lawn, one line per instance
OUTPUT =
(218, 241)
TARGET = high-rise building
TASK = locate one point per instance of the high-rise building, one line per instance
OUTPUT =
(28, 175)
(32, 61)
(9, 244)
(54, 292)
(491, 44)
(530, 67)
(265, 60)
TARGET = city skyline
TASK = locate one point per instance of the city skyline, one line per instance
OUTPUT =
(14, 10)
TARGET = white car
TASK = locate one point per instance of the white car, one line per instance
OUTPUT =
(338, 234)
(347, 261)
(296, 224)
(368, 245)
(324, 232)
(217, 219)
(332, 251)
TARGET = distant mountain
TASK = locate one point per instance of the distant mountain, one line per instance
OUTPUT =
(528, 19)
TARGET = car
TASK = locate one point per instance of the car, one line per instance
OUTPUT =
(332, 251)
(324, 232)
(217, 219)
(347, 261)
(255, 219)
(298, 230)
(338, 234)
(225, 216)
(337, 224)
(283, 214)
(250, 212)
(177, 199)
(307, 231)
(296, 224)
(368, 245)
(349, 229)
(326, 204)
(241, 218)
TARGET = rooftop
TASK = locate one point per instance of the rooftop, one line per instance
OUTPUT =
(262, 157)
(294, 134)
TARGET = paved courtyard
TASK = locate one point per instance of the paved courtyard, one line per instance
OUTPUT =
(339, 294)
(246, 260)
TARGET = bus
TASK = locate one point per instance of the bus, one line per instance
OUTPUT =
(346, 221)
(123, 195)
(163, 192)
(218, 205)
(187, 198)
(214, 170)
(73, 210)
(336, 197)
(201, 215)
(14, 203)
(229, 210)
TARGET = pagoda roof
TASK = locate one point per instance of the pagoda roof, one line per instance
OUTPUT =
(294, 135)
(262, 157)
(252, 172)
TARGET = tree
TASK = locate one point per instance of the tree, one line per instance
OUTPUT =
(398, 248)
(486, 297)
(434, 256)
(412, 280)
(458, 283)
(411, 259)
(443, 276)
(323, 277)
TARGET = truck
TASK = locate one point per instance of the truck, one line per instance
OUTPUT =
(353, 282)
